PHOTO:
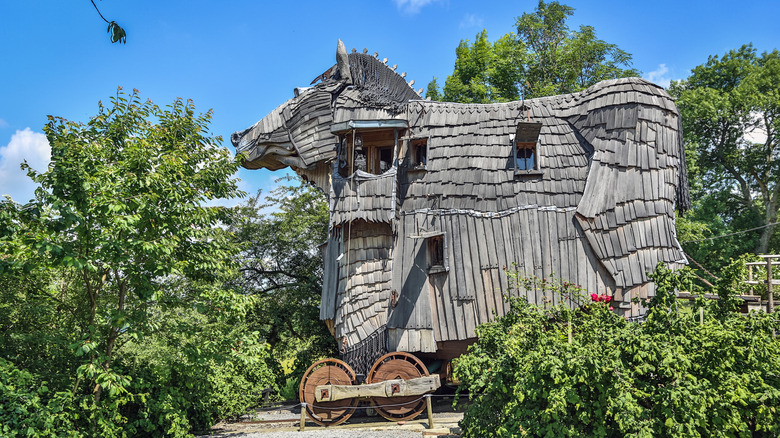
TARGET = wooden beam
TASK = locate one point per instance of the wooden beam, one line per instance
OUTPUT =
(388, 388)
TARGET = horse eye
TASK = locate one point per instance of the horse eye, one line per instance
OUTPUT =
(300, 90)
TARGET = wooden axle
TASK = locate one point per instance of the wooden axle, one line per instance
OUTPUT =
(387, 388)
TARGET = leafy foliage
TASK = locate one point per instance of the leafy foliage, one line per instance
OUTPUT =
(117, 294)
(544, 57)
(672, 375)
(281, 267)
(729, 107)
(115, 32)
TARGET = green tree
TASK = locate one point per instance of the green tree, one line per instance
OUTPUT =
(484, 71)
(432, 90)
(116, 279)
(545, 57)
(730, 108)
(281, 265)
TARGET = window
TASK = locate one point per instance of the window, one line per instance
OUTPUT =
(372, 151)
(436, 251)
(434, 248)
(419, 154)
(525, 156)
(526, 148)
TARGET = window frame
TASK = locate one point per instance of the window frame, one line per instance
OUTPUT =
(370, 148)
(527, 136)
(415, 145)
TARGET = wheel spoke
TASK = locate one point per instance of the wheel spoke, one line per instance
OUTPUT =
(397, 365)
(327, 372)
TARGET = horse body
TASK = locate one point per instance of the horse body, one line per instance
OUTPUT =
(432, 202)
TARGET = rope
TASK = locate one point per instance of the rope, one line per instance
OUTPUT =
(373, 406)
(703, 268)
(365, 353)
(732, 234)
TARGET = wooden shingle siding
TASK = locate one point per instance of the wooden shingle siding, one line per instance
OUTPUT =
(362, 294)
(364, 197)
(597, 210)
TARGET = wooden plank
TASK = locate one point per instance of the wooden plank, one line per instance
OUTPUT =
(526, 247)
(472, 273)
(501, 306)
(546, 249)
(496, 253)
(457, 259)
(535, 242)
(555, 250)
(446, 281)
(427, 341)
(461, 307)
(467, 289)
(509, 239)
(414, 340)
(456, 322)
(489, 302)
(565, 250)
(436, 292)
(484, 294)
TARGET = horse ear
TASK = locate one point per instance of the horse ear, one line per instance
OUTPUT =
(342, 60)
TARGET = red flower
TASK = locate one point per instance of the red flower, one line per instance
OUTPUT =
(594, 297)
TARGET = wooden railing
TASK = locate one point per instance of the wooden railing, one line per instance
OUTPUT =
(768, 263)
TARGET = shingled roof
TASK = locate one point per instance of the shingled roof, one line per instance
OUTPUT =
(597, 210)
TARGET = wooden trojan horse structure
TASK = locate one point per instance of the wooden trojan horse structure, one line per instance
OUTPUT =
(430, 203)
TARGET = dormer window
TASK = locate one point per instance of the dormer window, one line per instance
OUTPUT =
(525, 149)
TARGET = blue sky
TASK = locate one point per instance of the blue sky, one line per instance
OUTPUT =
(244, 58)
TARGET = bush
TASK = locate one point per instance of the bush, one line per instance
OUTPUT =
(669, 376)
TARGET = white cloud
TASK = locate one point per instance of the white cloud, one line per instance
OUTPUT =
(24, 145)
(758, 133)
(470, 21)
(659, 76)
(412, 6)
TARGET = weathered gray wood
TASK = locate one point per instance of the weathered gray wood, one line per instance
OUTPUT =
(467, 290)
(387, 388)
(485, 301)
(611, 151)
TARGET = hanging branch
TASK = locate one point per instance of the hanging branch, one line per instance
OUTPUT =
(117, 34)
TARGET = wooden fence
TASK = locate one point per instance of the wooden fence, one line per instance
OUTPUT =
(768, 264)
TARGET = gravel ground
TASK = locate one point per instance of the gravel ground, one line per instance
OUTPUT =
(283, 423)
(334, 433)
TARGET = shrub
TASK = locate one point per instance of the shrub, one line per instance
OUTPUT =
(669, 376)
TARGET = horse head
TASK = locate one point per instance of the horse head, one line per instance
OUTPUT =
(300, 133)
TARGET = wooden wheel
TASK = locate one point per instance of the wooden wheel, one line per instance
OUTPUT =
(398, 365)
(327, 372)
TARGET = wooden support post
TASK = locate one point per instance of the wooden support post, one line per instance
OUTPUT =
(750, 278)
(769, 280)
(701, 315)
(303, 417)
(570, 339)
(430, 410)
